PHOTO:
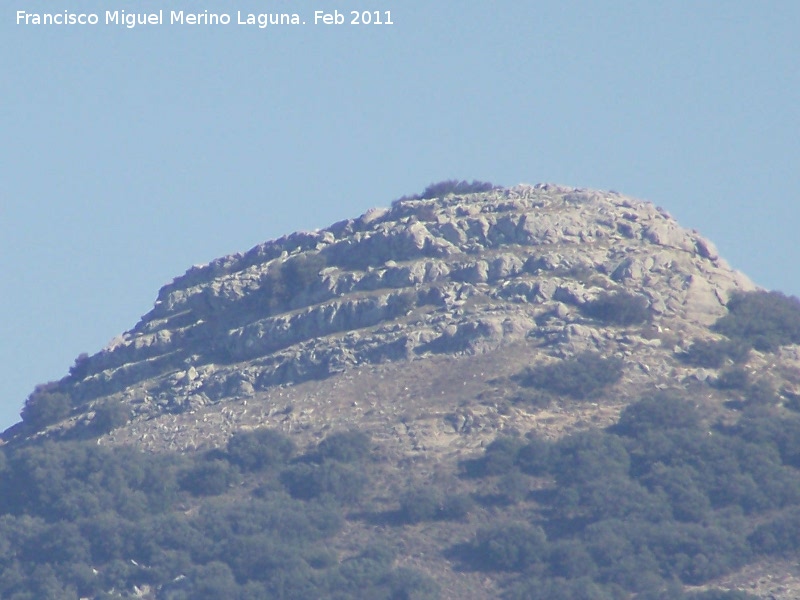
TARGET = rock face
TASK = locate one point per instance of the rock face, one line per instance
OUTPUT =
(457, 275)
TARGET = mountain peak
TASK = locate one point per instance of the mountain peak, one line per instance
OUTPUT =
(489, 360)
(502, 270)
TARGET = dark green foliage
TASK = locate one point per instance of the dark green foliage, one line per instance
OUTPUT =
(430, 504)
(564, 589)
(284, 281)
(456, 507)
(44, 407)
(340, 481)
(259, 449)
(108, 416)
(453, 186)
(733, 379)
(658, 412)
(534, 457)
(588, 456)
(401, 304)
(779, 536)
(70, 480)
(682, 488)
(500, 456)
(345, 446)
(580, 377)
(421, 504)
(654, 500)
(739, 384)
(211, 581)
(511, 547)
(570, 559)
(714, 354)
(783, 434)
(369, 575)
(763, 320)
(208, 478)
(299, 272)
(513, 487)
(620, 308)
(80, 369)
(408, 584)
(609, 497)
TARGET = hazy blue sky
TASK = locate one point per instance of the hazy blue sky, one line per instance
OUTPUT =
(131, 154)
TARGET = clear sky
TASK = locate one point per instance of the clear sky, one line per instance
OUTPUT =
(131, 154)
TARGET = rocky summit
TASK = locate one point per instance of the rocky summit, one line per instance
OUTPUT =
(479, 392)
(435, 286)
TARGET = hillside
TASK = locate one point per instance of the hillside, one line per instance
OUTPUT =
(527, 392)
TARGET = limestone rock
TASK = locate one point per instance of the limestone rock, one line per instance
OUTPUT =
(455, 276)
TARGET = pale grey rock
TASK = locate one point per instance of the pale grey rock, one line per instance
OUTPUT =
(461, 275)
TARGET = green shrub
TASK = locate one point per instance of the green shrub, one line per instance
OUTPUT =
(780, 536)
(620, 308)
(211, 581)
(286, 280)
(456, 507)
(430, 504)
(733, 379)
(514, 487)
(259, 449)
(109, 415)
(662, 411)
(681, 485)
(421, 504)
(559, 588)
(571, 559)
(511, 547)
(589, 455)
(44, 407)
(501, 455)
(452, 186)
(714, 354)
(534, 458)
(340, 481)
(209, 478)
(345, 446)
(410, 584)
(579, 377)
(299, 272)
(763, 320)
(780, 432)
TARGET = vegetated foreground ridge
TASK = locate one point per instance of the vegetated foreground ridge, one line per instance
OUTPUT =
(479, 392)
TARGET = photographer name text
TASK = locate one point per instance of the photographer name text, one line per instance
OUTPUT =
(131, 20)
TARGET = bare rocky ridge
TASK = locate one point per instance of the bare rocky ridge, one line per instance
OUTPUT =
(410, 322)
(455, 276)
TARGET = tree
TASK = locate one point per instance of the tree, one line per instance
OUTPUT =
(579, 377)
(510, 547)
(621, 308)
(44, 407)
(763, 320)
(208, 478)
(345, 446)
(108, 416)
(259, 449)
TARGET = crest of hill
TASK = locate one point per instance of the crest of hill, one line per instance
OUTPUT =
(458, 275)
(474, 393)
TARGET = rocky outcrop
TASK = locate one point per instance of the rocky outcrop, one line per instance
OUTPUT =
(458, 275)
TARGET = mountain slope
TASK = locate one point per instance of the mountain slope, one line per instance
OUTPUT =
(451, 276)
(466, 335)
